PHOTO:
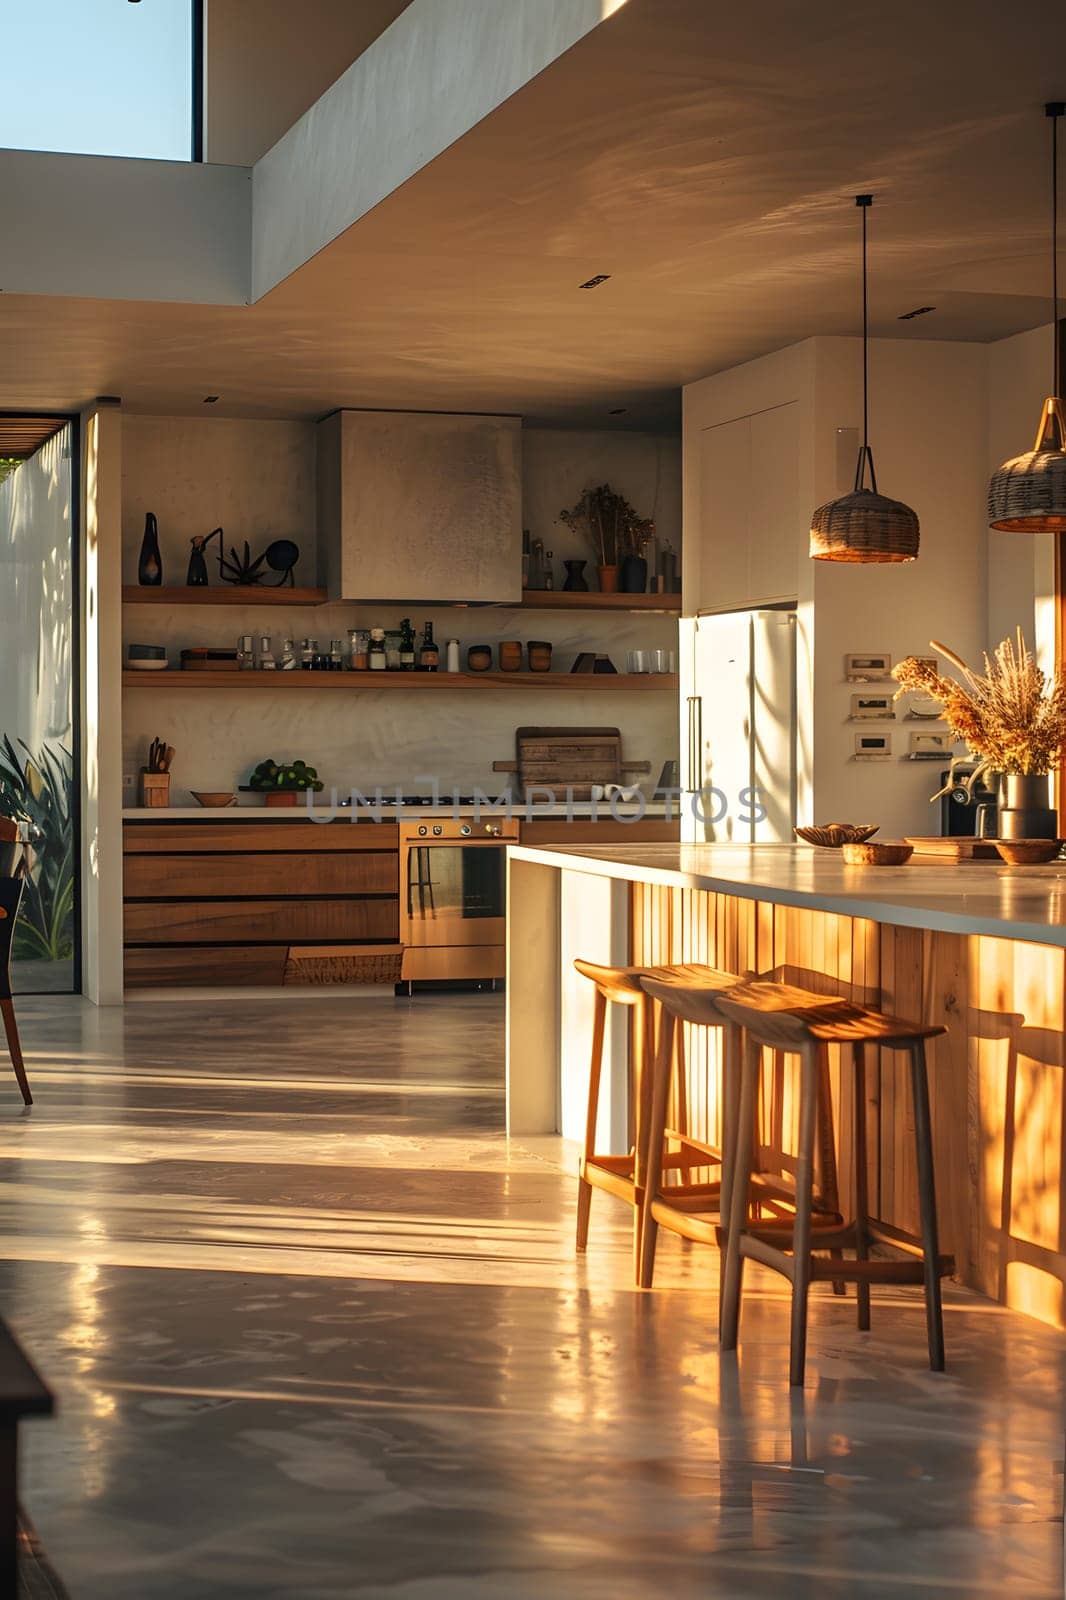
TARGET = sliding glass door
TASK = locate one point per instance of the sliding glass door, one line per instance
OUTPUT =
(38, 743)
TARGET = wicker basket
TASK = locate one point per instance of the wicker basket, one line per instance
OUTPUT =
(1028, 494)
(344, 963)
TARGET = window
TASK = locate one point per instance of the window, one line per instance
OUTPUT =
(38, 693)
(101, 77)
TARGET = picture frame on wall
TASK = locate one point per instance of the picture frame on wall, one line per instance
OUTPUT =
(868, 666)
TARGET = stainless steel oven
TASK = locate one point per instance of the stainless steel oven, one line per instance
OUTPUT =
(453, 886)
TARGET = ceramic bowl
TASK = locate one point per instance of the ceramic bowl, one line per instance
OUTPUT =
(1028, 852)
(140, 665)
(882, 853)
(214, 798)
(831, 835)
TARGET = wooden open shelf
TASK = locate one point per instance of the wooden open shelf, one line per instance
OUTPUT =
(219, 595)
(532, 599)
(569, 600)
(445, 682)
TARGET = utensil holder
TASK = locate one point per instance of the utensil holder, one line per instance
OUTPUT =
(155, 788)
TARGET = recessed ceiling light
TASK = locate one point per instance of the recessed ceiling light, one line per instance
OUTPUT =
(209, 399)
(594, 283)
(619, 411)
(919, 311)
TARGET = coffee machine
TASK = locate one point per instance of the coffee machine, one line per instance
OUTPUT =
(964, 812)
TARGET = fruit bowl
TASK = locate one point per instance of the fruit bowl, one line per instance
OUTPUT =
(831, 835)
(881, 853)
(214, 798)
(1028, 852)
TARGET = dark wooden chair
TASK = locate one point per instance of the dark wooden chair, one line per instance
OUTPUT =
(22, 1394)
(10, 900)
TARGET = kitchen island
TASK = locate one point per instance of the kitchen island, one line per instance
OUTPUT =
(977, 946)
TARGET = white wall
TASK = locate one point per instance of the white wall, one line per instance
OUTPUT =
(557, 466)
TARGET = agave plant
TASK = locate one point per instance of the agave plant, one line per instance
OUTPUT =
(38, 790)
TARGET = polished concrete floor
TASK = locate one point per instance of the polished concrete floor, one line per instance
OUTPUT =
(317, 1330)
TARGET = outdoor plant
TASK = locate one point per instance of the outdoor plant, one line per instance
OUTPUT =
(607, 522)
(1012, 716)
(38, 790)
(295, 775)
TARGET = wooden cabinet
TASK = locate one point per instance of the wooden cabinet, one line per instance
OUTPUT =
(420, 506)
(241, 902)
(749, 533)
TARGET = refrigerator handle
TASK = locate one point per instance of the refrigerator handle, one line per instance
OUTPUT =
(694, 775)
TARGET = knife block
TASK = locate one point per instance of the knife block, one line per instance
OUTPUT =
(155, 788)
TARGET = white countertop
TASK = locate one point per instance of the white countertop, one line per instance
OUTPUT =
(953, 897)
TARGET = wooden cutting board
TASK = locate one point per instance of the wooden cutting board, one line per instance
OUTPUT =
(956, 849)
(557, 759)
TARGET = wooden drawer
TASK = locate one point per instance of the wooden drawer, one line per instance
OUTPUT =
(652, 830)
(148, 968)
(155, 838)
(289, 873)
(260, 921)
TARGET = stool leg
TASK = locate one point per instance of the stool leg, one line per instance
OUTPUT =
(643, 1059)
(660, 1091)
(862, 1199)
(584, 1188)
(828, 1184)
(732, 1060)
(732, 1285)
(12, 1032)
(923, 1136)
(810, 1067)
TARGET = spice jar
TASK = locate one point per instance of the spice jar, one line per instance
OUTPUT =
(540, 655)
(510, 655)
(479, 658)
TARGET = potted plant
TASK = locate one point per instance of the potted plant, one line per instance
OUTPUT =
(607, 521)
(1012, 717)
(281, 782)
(36, 793)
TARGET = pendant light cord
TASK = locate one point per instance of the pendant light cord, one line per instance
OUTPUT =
(864, 202)
(1054, 111)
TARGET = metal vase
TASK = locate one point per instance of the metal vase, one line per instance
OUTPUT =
(1025, 813)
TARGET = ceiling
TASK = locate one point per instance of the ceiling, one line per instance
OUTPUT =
(705, 157)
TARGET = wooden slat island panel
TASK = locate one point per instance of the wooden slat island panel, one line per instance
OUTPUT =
(996, 1076)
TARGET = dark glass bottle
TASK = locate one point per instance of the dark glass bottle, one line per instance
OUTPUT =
(429, 653)
(407, 646)
(150, 565)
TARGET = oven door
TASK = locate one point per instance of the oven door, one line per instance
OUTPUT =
(455, 893)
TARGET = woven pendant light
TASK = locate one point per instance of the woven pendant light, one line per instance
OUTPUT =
(1028, 494)
(864, 525)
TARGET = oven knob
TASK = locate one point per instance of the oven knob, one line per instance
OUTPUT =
(465, 830)
(492, 829)
(437, 830)
(422, 831)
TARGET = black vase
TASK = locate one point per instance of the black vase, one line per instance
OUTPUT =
(575, 577)
(1026, 813)
(150, 565)
(634, 575)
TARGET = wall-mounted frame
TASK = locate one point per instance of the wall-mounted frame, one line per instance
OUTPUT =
(872, 708)
(930, 747)
(873, 746)
(868, 666)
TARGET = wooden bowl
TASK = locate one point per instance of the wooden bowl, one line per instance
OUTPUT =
(884, 853)
(831, 835)
(214, 798)
(1028, 852)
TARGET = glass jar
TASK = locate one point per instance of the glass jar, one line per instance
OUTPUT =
(376, 657)
(358, 646)
(245, 653)
(265, 656)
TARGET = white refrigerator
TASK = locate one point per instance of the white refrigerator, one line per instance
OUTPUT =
(738, 727)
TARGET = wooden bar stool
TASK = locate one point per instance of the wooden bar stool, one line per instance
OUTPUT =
(699, 1213)
(804, 1024)
(624, 1175)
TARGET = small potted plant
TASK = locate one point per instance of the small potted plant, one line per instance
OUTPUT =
(608, 522)
(1012, 717)
(280, 783)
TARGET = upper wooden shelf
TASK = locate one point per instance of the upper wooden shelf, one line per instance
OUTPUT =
(532, 599)
(575, 682)
(571, 600)
(219, 595)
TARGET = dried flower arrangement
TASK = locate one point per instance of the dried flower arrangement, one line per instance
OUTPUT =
(609, 523)
(1012, 716)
